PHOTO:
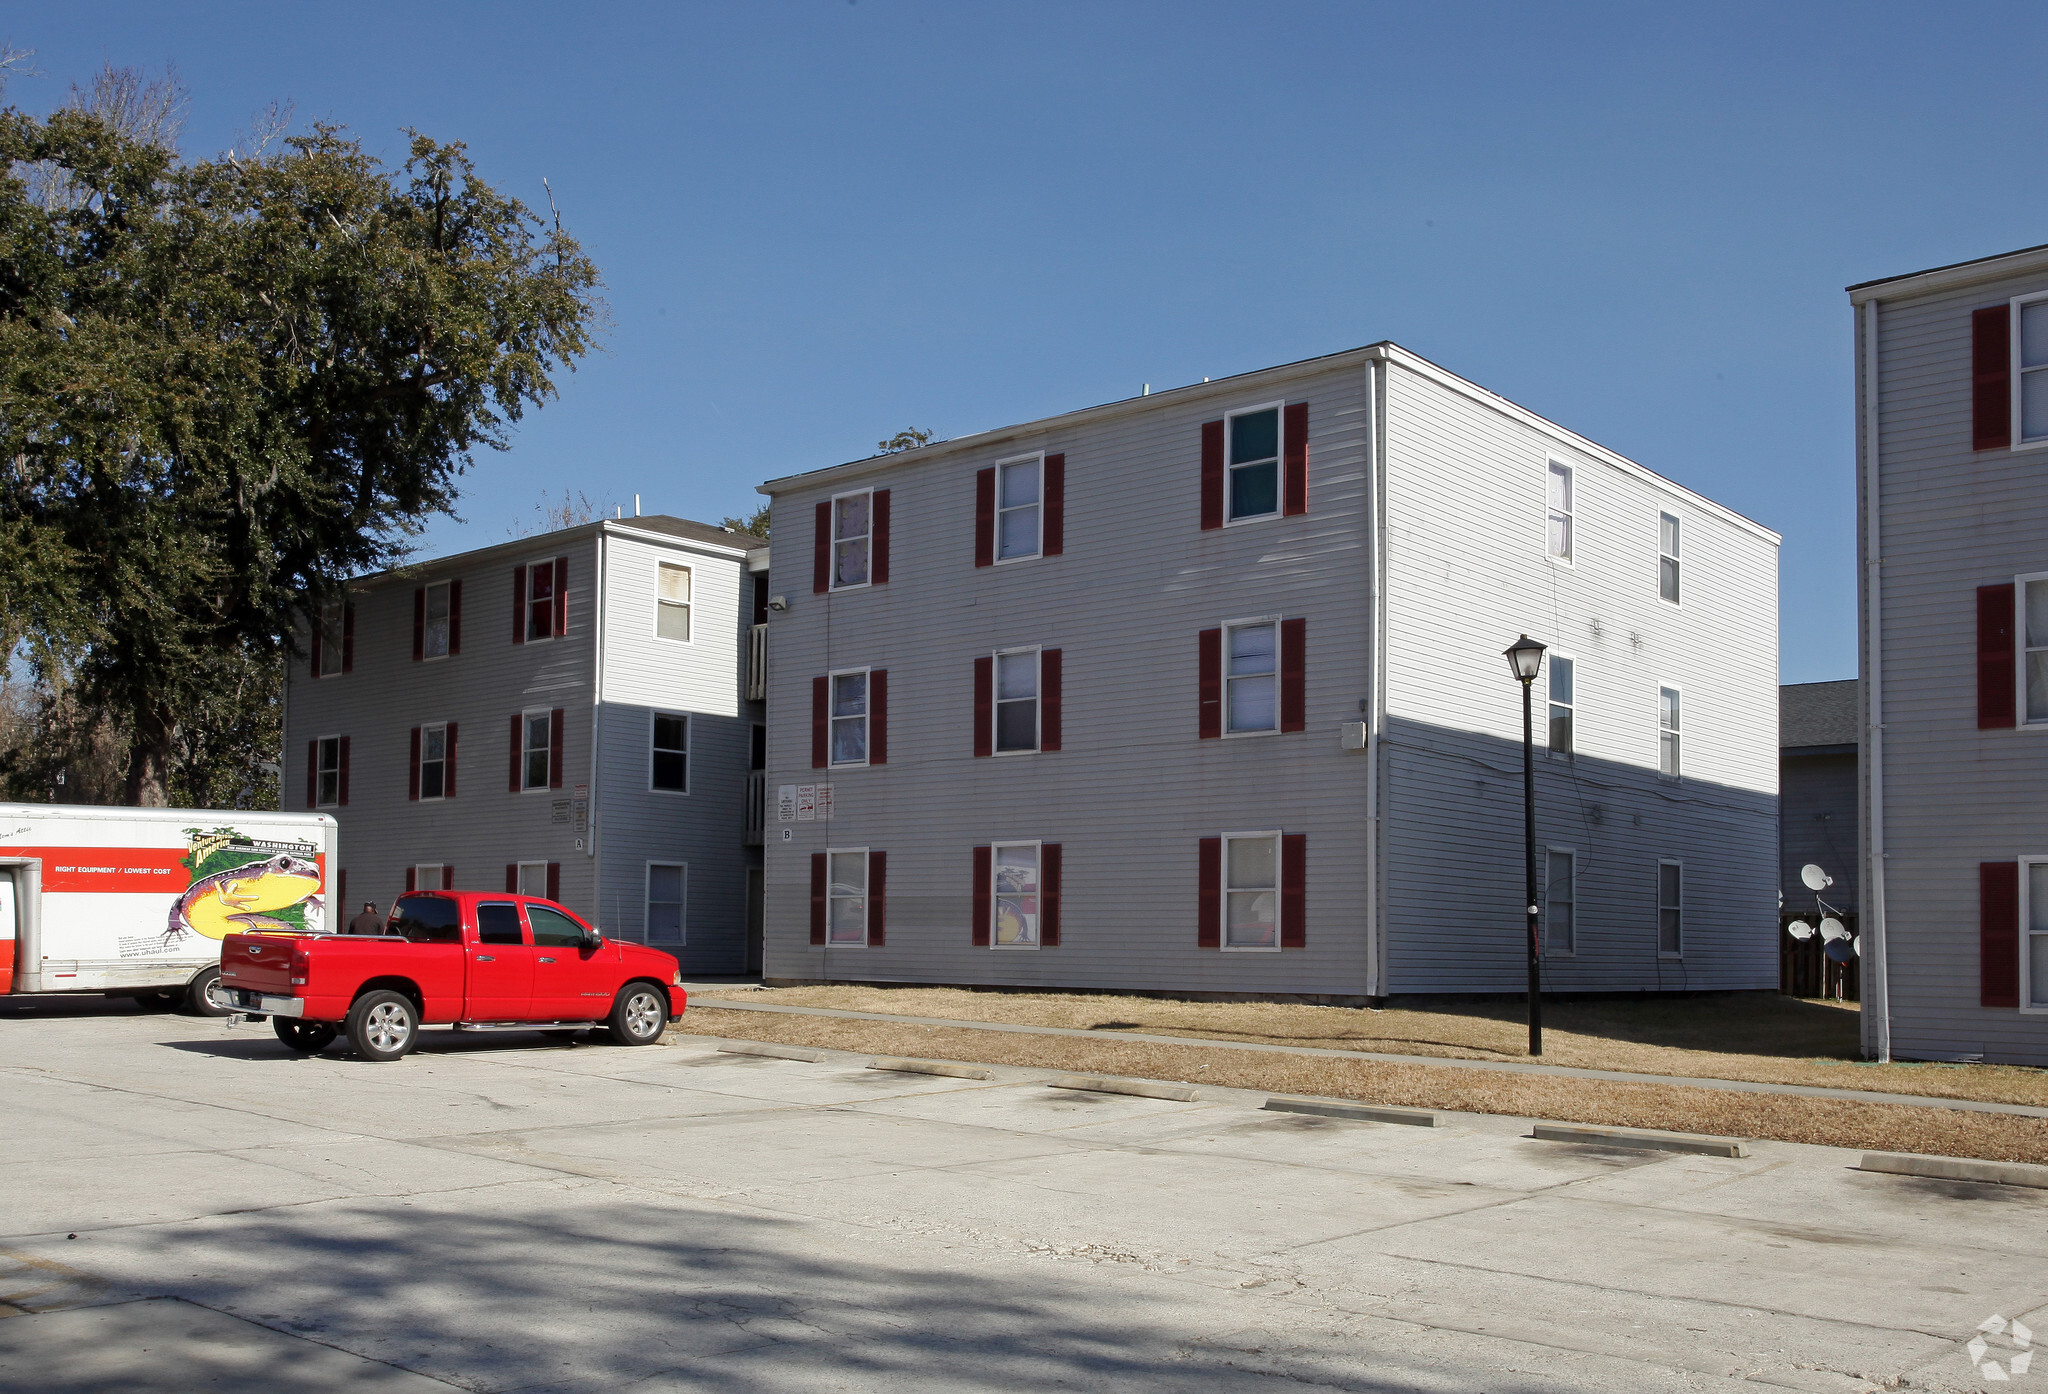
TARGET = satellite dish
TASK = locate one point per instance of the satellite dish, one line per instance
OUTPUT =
(1840, 950)
(1815, 878)
(1832, 929)
(1800, 930)
(1857, 945)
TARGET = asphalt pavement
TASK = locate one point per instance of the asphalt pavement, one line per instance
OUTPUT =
(185, 1206)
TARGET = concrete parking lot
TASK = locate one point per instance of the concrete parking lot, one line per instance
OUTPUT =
(514, 1213)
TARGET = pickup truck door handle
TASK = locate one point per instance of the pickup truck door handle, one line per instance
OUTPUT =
(485, 958)
(547, 960)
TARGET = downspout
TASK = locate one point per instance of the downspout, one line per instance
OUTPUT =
(598, 610)
(1376, 607)
(1877, 1021)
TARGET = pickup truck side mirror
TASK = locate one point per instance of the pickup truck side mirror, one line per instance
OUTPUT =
(592, 939)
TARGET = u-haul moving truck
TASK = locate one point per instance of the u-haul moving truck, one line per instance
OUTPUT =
(136, 900)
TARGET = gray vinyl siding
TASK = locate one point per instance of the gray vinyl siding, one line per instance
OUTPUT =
(1468, 570)
(1952, 519)
(1817, 825)
(1134, 788)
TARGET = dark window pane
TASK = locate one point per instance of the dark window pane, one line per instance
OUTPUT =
(1254, 491)
(1667, 579)
(536, 769)
(1017, 725)
(430, 780)
(671, 770)
(1561, 730)
(498, 924)
(668, 732)
(1255, 436)
(426, 919)
(758, 760)
(553, 929)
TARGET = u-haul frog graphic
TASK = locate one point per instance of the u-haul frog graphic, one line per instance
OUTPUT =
(251, 892)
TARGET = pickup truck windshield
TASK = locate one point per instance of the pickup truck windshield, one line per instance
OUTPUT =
(427, 919)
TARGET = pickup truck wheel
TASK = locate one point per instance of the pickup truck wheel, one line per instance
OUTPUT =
(306, 1037)
(383, 1025)
(639, 1015)
(199, 998)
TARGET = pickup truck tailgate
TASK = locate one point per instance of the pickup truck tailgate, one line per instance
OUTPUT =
(261, 963)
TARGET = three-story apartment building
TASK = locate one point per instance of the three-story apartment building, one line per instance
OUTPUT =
(575, 715)
(1204, 691)
(1952, 427)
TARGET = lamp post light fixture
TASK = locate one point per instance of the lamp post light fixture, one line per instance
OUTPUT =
(1525, 660)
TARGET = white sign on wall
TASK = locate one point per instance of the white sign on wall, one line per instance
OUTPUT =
(803, 803)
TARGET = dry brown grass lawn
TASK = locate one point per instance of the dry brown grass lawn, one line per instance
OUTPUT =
(1764, 1038)
(1875, 1127)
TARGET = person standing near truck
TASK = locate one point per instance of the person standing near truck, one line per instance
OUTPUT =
(367, 922)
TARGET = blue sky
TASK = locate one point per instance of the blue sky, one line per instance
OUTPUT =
(822, 221)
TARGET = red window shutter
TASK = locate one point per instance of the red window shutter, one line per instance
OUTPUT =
(1293, 674)
(1050, 663)
(454, 617)
(518, 724)
(1212, 475)
(448, 763)
(878, 899)
(554, 881)
(1055, 505)
(511, 878)
(555, 725)
(985, 517)
(1049, 895)
(1293, 890)
(342, 793)
(1209, 908)
(412, 780)
(1209, 682)
(984, 909)
(1294, 460)
(518, 604)
(348, 637)
(312, 774)
(1998, 933)
(419, 623)
(821, 557)
(447, 877)
(1991, 377)
(878, 538)
(821, 727)
(412, 879)
(817, 897)
(984, 706)
(1997, 671)
(561, 616)
(878, 716)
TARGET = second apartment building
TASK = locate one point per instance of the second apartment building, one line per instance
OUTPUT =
(1203, 691)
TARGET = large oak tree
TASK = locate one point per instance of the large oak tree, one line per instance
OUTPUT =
(228, 385)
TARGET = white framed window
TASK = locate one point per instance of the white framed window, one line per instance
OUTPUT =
(1670, 909)
(429, 876)
(668, 902)
(435, 635)
(536, 735)
(533, 879)
(846, 891)
(1560, 901)
(327, 772)
(1562, 703)
(849, 717)
(1251, 677)
(1013, 887)
(1667, 732)
(1020, 523)
(2030, 593)
(2030, 371)
(852, 528)
(672, 603)
(669, 754)
(1252, 464)
(433, 761)
(1017, 710)
(332, 615)
(1667, 557)
(1251, 891)
(2034, 934)
(540, 601)
(1558, 514)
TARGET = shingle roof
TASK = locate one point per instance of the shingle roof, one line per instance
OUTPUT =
(1817, 713)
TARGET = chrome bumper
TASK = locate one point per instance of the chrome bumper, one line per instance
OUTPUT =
(245, 1000)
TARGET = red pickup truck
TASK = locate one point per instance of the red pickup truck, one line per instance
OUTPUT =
(474, 960)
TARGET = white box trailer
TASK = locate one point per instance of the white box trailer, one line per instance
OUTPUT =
(135, 901)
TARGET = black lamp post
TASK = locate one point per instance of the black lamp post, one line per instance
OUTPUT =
(1525, 658)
